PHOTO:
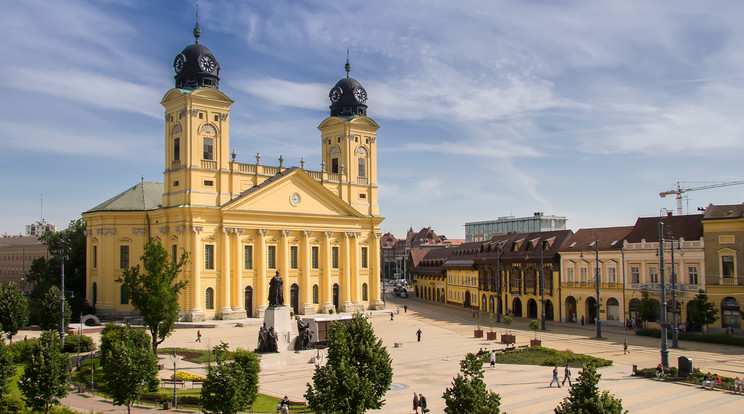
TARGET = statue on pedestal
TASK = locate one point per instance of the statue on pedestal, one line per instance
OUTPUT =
(276, 291)
(304, 335)
(267, 340)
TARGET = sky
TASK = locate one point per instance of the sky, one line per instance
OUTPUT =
(582, 109)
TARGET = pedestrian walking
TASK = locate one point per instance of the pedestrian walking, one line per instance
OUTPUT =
(391, 315)
(625, 346)
(397, 310)
(555, 378)
(418, 335)
(493, 358)
(198, 336)
(415, 403)
(582, 320)
(405, 308)
(422, 404)
(566, 375)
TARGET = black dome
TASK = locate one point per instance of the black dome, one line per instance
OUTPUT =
(348, 97)
(196, 66)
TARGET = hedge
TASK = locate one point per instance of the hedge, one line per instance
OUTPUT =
(694, 337)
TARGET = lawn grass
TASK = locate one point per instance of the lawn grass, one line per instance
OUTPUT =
(14, 391)
(198, 356)
(538, 355)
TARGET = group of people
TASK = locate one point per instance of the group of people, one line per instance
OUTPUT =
(566, 377)
(419, 401)
(633, 323)
(711, 381)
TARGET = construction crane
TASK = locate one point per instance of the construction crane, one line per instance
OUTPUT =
(680, 190)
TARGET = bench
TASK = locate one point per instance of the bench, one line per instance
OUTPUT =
(294, 406)
(170, 381)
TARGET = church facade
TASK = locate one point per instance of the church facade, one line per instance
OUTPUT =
(243, 223)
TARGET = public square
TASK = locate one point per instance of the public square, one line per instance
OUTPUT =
(428, 366)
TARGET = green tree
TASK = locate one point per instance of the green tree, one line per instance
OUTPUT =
(45, 379)
(648, 309)
(130, 367)
(113, 333)
(584, 396)
(154, 291)
(357, 374)
(230, 387)
(469, 393)
(7, 369)
(13, 310)
(702, 311)
(49, 311)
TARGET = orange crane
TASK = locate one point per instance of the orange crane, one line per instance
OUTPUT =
(680, 190)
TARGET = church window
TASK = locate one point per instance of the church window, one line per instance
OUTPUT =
(175, 183)
(95, 257)
(362, 167)
(174, 253)
(248, 257)
(367, 140)
(293, 257)
(176, 149)
(315, 257)
(215, 118)
(362, 195)
(364, 291)
(272, 257)
(338, 139)
(208, 148)
(334, 257)
(208, 183)
(315, 294)
(124, 257)
(124, 294)
(334, 165)
(364, 257)
(209, 256)
(209, 298)
(201, 115)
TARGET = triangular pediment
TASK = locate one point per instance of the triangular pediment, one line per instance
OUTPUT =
(294, 192)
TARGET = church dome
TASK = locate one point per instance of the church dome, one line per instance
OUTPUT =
(196, 66)
(348, 97)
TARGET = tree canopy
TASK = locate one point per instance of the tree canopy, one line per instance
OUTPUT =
(357, 374)
(648, 309)
(584, 396)
(49, 310)
(46, 376)
(469, 393)
(702, 311)
(130, 368)
(230, 386)
(7, 369)
(153, 289)
(13, 310)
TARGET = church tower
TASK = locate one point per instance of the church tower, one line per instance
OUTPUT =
(349, 144)
(197, 131)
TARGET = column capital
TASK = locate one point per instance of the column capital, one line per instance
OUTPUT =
(328, 233)
(87, 232)
(138, 230)
(286, 232)
(377, 234)
(179, 229)
(263, 231)
(307, 233)
(163, 229)
(197, 229)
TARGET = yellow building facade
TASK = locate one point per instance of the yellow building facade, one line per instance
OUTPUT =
(242, 223)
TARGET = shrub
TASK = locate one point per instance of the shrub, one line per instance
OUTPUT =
(694, 337)
(20, 351)
(71, 343)
(187, 376)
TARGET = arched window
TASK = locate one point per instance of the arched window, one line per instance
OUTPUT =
(315, 294)
(362, 161)
(94, 294)
(209, 298)
(124, 293)
(364, 291)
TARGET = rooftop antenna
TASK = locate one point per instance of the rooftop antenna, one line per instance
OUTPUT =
(348, 65)
(197, 31)
(142, 179)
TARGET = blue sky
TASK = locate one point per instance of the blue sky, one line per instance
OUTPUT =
(583, 109)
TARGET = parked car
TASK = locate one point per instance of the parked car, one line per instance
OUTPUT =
(403, 293)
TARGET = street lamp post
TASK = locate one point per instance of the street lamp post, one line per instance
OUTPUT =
(498, 283)
(542, 287)
(62, 295)
(675, 328)
(664, 347)
(596, 256)
(174, 358)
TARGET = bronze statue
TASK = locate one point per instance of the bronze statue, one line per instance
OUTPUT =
(276, 291)
(268, 341)
(304, 335)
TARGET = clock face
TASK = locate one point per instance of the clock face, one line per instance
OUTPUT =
(335, 95)
(178, 64)
(207, 63)
(294, 199)
(360, 95)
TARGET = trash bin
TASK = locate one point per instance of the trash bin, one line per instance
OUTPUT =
(684, 365)
(167, 405)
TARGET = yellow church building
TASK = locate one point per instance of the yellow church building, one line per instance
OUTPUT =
(242, 223)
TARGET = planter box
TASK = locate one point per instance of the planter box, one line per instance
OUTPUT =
(508, 339)
(535, 342)
(491, 336)
(478, 333)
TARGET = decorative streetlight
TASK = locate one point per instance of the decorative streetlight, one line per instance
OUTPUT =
(62, 254)
(174, 359)
(596, 256)
(542, 287)
(498, 282)
(664, 347)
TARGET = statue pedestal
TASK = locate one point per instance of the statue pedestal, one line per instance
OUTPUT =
(278, 317)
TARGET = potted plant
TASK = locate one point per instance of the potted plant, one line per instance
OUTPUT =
(535, 325)
(508, 338)
(478, 332)
(491, 335)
